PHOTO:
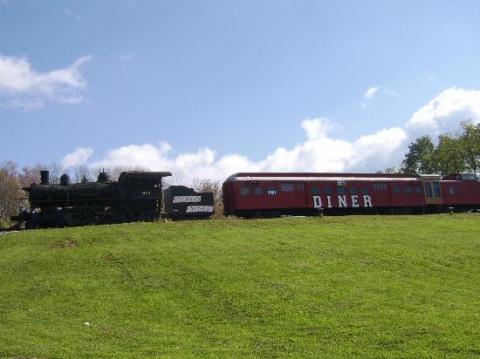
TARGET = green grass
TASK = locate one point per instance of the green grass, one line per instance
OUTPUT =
(4, 223)
(376, 286)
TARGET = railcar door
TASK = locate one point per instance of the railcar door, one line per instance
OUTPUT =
(433, 192)
(293, 194)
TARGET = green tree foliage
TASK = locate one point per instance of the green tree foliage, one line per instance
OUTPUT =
(391, 170)
(420, 157)
(449, 155)
(452, 154)
(470, 142)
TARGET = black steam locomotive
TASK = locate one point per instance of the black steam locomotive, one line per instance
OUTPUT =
(136, 196)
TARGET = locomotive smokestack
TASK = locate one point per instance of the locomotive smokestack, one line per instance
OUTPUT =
(44, 177)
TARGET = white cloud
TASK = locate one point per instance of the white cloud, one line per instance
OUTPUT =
(20, 83)
(375, 91)
(72, 14)
(320, 151)
(371, 92)
(77, 158)
(148, 156)
(26, 105)
(317, 128)
(127, 57)
(379, 150)
(443, 113)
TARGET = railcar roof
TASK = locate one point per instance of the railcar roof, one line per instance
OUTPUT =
(316, 176)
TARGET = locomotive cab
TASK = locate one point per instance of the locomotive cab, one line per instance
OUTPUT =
(144, 193)
(143, 184)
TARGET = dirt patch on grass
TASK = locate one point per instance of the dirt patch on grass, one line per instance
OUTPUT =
(70, 243)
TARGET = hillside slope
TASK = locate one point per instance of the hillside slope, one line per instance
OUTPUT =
(395, 286)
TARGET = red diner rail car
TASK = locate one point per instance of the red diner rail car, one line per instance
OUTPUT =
(274, 194)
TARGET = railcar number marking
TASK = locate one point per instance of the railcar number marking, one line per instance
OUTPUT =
(199, 209)
(342, 201)
(187, 199)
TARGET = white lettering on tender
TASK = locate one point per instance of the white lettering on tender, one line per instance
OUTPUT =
(187, 199)
(197, 209)
(355, 203)
(317, 202)
(342, 201)
(367, 201)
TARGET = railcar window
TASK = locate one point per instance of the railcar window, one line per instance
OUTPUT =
(272, 192)
(258, 191)
(451, 190)
(418, 189)
(428, 189)
(287, 187)
(353, 190)
(396, 189)
(244, 191)
(380, 187)
(315, 190)
(436, 189)
(408, 189)
(328, 190)
(341, 190)
(365, 190)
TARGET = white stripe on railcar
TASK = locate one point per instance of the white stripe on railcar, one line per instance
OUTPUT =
(332, 179)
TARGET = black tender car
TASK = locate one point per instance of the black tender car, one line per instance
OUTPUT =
(184, 203)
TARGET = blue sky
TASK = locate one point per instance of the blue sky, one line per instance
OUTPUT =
(236, 81)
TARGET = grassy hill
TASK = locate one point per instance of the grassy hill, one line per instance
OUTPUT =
(377, 286)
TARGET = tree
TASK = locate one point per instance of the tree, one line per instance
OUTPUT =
(470, 143)
(80, 173)
(206, 185)
(30, 175)
(449, 155)
(453, 153)
(55, 173)
(419, 158)
(10, 191)
(391, 170)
